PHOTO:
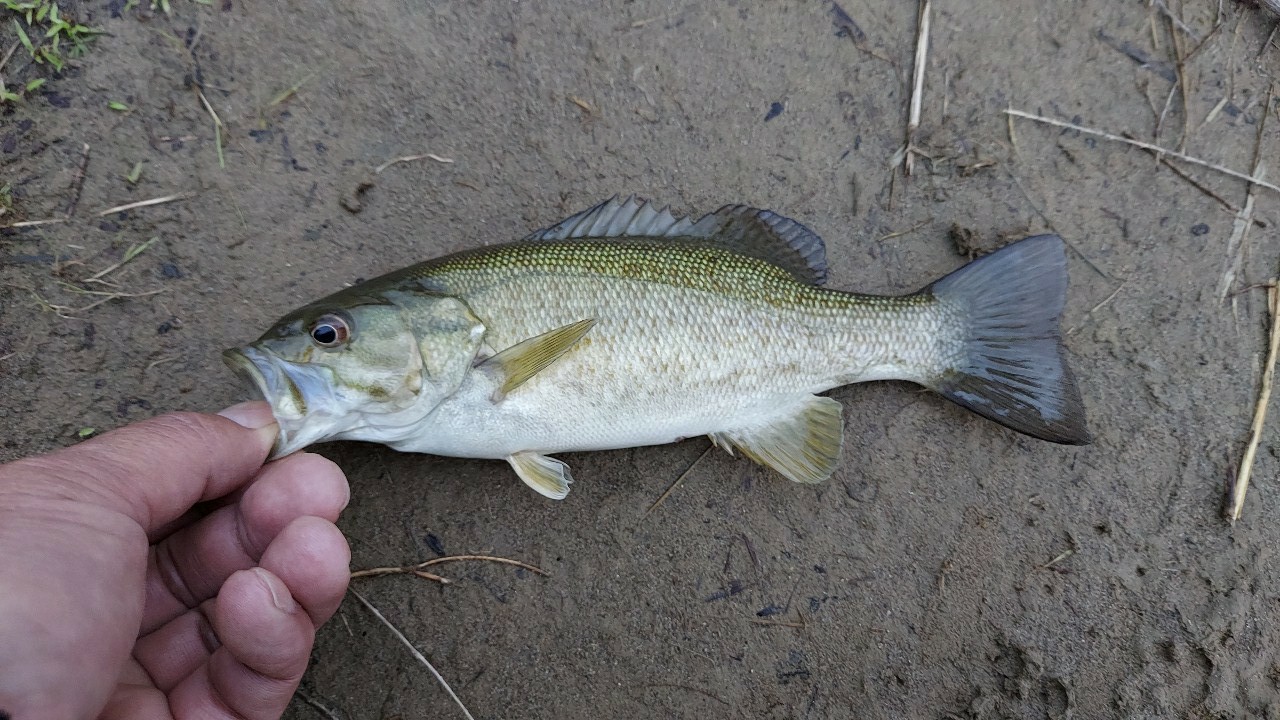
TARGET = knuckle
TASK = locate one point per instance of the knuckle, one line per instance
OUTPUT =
(181, 426)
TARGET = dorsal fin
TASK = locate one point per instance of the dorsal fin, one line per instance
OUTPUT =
(615, 217)
(762, 234)
(771, 237)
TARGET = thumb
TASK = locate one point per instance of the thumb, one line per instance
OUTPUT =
(155, 470)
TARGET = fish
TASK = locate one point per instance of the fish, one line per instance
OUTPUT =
(627, 326)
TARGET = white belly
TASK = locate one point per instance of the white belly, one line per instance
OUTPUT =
(573, 417)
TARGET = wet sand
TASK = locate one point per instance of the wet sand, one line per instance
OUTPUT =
(950, 569)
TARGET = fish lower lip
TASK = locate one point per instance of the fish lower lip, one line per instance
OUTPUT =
(268, 382)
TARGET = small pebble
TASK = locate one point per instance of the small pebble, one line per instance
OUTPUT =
(434, 543)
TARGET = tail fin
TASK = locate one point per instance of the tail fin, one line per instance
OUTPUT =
(1012, 369)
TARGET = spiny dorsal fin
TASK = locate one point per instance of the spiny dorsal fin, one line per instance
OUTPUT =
(615, 217)
(762, 234)
(529, 357)
(802, 444)
(548, 476)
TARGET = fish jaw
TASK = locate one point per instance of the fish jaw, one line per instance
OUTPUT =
(301, 397)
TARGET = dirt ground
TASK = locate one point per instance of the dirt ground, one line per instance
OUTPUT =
(951, 569)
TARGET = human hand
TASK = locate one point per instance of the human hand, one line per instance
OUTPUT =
(162, 571)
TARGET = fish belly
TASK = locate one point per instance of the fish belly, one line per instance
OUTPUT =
(664, 363)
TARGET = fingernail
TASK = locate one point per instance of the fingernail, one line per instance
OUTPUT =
(280, 596)
(254, 415)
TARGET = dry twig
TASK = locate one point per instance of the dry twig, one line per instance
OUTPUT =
(108, 297)
(411, 158)
(1013, 139)
(908, 231)
(420, 657)
(25, 343)
(583, 105)
(1227, 204)
(5, 60)
(1175, 20)
(1057, 559)
(1184, 85)
(1236, 243)
(33, 223)
(319, 706)
(1044, 216)
(1100, 305)
(671, 488)
(77, 184)
(146, 203)
(129, 255)
(217, 126)
(1146, 146)
(1244, 218)
(420, 571)
(917, 84)
(780, 623)
(1259, 410)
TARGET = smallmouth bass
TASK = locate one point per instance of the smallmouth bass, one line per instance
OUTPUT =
(625, 326)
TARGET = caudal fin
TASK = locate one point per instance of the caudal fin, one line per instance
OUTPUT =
(1012, 368)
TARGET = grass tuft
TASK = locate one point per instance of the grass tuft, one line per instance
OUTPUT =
(48, 37)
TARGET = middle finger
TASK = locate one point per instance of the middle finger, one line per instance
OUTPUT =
(188, 567)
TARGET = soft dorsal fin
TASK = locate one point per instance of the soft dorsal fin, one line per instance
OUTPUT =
(802, 443)
(771, 237)
(762, 234)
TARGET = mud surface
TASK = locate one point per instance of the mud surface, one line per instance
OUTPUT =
(951, 569)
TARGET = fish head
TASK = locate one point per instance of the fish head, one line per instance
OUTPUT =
(359, 367)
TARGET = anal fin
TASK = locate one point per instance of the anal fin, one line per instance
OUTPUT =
(527, 358)
(803, 443)
(547, 476)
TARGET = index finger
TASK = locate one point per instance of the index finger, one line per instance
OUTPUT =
(154, 470)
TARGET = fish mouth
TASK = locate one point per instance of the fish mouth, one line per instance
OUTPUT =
(301, 397)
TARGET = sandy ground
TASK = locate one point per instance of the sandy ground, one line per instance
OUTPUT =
(951, 569)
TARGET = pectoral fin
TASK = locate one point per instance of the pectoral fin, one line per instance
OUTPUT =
(525, 359)
(803, 444)
(548, 476)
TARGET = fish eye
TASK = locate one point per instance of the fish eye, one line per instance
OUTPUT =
(330, 331)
